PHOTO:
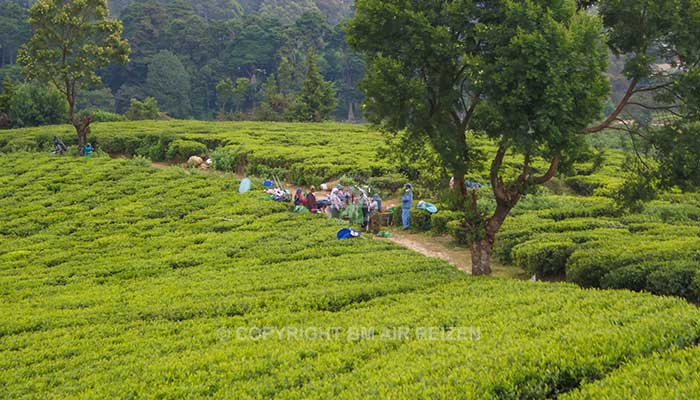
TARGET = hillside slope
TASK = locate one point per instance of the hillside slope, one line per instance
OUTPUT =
(119, 280)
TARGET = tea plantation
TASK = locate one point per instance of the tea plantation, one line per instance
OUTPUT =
(581, 236)
(118, 280)
(300, 153)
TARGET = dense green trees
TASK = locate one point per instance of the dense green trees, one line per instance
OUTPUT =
(216, 40)
(169, 83)
(317, 98)
(529, 75)
(14, 29)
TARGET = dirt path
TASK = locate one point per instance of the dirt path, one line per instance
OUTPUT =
(160, 165)
(444, 247)
(434, 247)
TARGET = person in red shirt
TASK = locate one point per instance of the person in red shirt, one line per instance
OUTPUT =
(311, 200)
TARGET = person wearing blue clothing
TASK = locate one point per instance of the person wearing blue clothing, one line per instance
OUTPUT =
(406, 203)
(87, 150)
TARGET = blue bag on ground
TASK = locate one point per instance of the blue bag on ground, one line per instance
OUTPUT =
(347, 233)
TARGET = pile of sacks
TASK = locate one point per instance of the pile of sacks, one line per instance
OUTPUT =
(199, 162)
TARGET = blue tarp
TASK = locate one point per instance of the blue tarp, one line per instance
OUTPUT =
(347, 233)
(245, 186)
(427, 207)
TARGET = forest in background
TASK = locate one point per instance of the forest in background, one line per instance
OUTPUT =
(221, 59)
(209, 59)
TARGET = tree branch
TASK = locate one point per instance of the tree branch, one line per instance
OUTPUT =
(496, 182)
(669, 108)
(621, 106)
(652, 88)
(526, 170)
(550, 173)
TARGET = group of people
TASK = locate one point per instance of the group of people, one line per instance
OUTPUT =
(341, 199)
(60, 148)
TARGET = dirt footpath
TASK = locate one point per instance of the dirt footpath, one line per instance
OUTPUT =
(434, 246)
(444, 248)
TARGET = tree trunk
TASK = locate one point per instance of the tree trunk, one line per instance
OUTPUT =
(459, 185)
(482, 248)
(351, 114)
(82, 127)
(481, 257)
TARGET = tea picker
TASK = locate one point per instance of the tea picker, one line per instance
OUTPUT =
(59, 147)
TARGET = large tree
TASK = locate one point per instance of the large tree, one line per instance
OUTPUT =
(528, 75)
(317, 100)
(71, 40)
(169, 82)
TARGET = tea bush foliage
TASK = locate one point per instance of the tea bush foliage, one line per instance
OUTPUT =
(299, 153)
(586, 239)
(120, 280)
(657, 250)
(661, 376)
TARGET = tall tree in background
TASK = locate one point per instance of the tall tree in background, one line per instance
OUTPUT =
(224, 95)
(317, 99)
(71, 40)
(14, 30)
(240, 93)
(169, 83)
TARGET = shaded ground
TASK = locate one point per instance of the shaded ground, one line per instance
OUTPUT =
(444, 248)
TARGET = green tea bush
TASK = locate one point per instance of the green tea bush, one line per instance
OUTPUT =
(632, 277)
(522, 229)
(673, 374)
(672, 212)
(181, 150)
(387, 183)
(116, 268)
(587, 266)
(674, 279)
(119, 144)
(18, 144)
(584, 185)
(226, 159)
(546, 259)
(439, 220)
(103, 116)
(458, 231)
(155, 146)
(306, 152)
(420, 219)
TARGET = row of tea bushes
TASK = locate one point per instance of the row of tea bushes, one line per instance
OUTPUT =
(662, 376)
(119, 280)
(657, 250)
(298, 153)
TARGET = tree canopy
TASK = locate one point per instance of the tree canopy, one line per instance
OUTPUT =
(529, 75)
(71, 41)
